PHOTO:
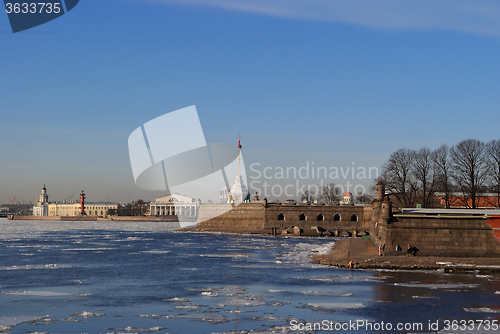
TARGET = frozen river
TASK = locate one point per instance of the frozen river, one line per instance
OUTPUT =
(106, 277)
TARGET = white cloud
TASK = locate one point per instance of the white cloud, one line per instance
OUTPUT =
(473, 16)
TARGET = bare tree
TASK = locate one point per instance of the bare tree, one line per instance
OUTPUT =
(399, 177)
(424, 171)
(308, 195)
(493, 149)
(469, 166)
(443, 173)
(330, 193)
(364, 198)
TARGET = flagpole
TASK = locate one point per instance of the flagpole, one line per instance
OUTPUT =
(239, 157)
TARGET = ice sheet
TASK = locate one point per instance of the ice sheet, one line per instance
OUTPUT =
(86, 314)
(37, 266)
(438, 286)
(6, 323)
(38, 293)
(334, 306)
(320, 293)
(481, 310)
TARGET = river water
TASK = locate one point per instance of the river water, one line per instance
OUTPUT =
(106, 277)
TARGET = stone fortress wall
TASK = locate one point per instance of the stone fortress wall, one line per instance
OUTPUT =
(282, 218)
(435, 233)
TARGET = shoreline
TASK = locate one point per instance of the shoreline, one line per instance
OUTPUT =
(364, 255)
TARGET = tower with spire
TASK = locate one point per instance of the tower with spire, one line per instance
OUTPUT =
(41, 207)
(238, 192)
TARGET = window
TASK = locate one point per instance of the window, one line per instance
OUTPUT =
(302, 216)
(320, 217)
(336, 218)
(354, 218)
(281, 216)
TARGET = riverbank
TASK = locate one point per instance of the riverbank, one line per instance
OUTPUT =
(364, 255)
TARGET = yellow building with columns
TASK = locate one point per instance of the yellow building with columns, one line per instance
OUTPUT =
(99, 209)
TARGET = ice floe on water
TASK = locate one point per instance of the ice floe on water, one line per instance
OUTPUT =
(273, 318)
(481, 309)
(301, 254)
(437, 285)
(86, 314)
(151, 252)
(37, 266)
(226, 255)
(321, 293)
(224, 291)
(189, 306)
(177, 300)
(343, 279)
(209, 294)
(213, 318)
(253, 266)
(96, 249)
(331, 307)
(69, 320)
(244, 300)
(424, 297)
(38, 293)
(26, 229)
(6, 323)
(277, 303)
(137, 329)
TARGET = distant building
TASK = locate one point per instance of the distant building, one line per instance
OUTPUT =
(174, 205)
(41, 207)
(458, 200)
(348, 199)
(100, 209)
(239, 192)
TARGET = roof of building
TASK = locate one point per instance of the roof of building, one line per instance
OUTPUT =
(175, 198)
(348, 193)
(442, 211)
(458, 200)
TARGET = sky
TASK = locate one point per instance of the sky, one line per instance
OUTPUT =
(326, 83)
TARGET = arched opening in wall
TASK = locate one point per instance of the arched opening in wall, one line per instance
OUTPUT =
(281, 216)
(336, 218)
(320, 217)
(354, 218)
(302, 217)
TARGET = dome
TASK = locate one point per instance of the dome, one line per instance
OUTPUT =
(348, 194)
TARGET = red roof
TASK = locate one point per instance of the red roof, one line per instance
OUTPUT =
(348, 194)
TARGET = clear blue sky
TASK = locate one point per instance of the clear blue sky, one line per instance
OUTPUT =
(334, 82)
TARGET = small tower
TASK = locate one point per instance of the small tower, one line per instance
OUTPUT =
(348, 199)
(379, 190)
(43, 198)
(386, 213)
(41, 207)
